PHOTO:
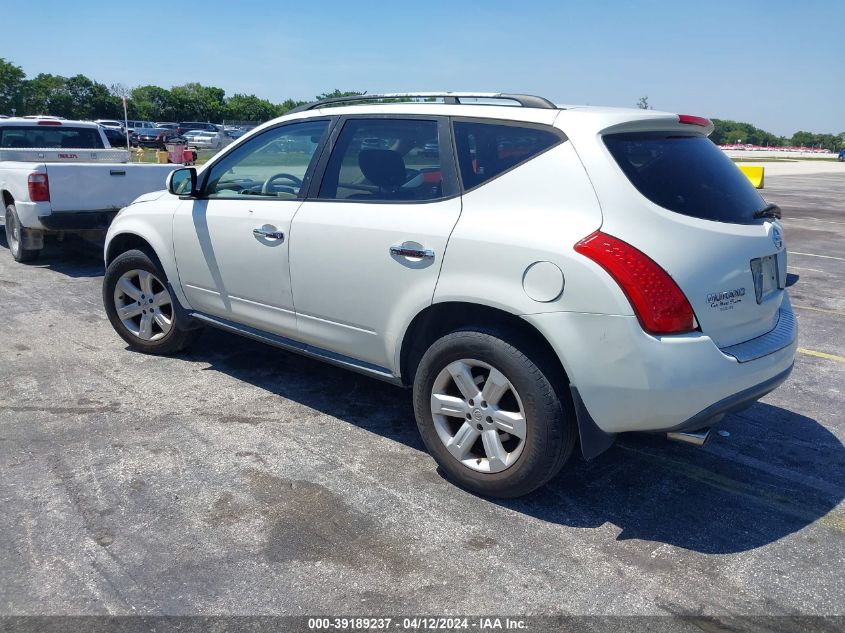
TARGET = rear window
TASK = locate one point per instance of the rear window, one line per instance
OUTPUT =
(686, 174)
(50, 136)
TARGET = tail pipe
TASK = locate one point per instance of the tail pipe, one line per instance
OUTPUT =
(696, 438)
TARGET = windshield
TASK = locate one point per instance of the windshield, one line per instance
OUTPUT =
(686, 174)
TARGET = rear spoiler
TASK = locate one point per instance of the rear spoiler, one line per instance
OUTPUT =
(660, 122)
(63, 155)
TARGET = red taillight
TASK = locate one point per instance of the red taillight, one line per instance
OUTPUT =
(49, 122)
(659, 304)
(693, 120)
(39, 187)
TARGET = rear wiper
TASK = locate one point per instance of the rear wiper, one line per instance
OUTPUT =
(769, 211)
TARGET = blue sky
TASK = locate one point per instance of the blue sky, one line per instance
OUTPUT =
(777, 64)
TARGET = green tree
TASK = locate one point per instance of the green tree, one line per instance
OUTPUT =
(804, 139)
(642, 103)
(198, 102)
(334, 94)
(45, 94)
(11, 87)
(153, 103)
(727, 132)
(249, 108)
(287, 105)
(89, 99)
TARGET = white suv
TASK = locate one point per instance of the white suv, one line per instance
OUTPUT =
(540, 275)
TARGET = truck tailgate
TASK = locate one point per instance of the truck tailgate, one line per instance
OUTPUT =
(102, 186)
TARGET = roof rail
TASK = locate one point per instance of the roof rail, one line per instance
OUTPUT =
(526, 101)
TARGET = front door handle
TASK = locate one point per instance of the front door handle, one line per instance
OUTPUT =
(273, 235)
(404, 251)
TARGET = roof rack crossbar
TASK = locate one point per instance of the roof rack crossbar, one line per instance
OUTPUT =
(452, 98)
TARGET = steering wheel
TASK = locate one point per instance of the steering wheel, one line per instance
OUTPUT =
(268, 184)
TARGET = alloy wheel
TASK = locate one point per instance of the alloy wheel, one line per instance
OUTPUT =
(478, 415)
(144, 305)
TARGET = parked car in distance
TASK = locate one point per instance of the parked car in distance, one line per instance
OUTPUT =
(235, 133)
(112, 123)
(139, 125)
(168, 125)
(115, 136)
(550, 276)
(187, 126)
(154, 137)
(841, 155)
(203, 139)
(432, 148)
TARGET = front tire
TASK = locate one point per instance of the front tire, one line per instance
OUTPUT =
(489, 414)
(141, 308)
(14, 237)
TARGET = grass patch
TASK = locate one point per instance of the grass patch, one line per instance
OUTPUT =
(149, 156)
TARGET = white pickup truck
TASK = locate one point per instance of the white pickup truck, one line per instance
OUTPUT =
(59, 177)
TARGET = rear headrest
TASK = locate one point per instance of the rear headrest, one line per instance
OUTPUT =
(382, 167)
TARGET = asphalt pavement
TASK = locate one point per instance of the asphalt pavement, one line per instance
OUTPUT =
(240, 479)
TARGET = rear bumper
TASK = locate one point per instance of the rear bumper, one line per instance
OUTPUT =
(731, 404)
(78, 221)
(631, 381)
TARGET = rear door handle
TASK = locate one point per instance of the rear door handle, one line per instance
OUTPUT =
(403, 251)
(273, 235)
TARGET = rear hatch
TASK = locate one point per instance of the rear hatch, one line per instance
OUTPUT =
(698, 217)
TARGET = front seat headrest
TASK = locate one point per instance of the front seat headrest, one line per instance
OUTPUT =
(382, 167)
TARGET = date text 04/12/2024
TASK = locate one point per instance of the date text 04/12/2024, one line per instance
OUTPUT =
(417, 623)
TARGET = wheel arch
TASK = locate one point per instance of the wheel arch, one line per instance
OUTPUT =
(134, 237)
(123, 242)
(7, 198)
(439, 319)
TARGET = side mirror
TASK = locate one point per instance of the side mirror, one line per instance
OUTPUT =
(182, 182)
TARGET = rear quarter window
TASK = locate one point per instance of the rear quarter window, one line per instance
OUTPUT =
(487, 150)
(686, 174)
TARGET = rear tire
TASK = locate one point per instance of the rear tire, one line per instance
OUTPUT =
(14, 237)
(142, 308)
(512, 433)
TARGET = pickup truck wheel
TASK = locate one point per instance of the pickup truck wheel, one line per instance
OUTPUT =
(14, 238)
(489, 415)
(141, 308)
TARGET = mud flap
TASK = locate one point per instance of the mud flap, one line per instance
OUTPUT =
(594, 441)
(32, 239)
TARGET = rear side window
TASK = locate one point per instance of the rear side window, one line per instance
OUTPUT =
(686, 174)
(381, 160)
(51, 136)
(486, 150)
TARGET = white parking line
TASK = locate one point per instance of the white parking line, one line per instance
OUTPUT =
(817, 220)
(800, 307)
(841, 259)
(815, 270)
